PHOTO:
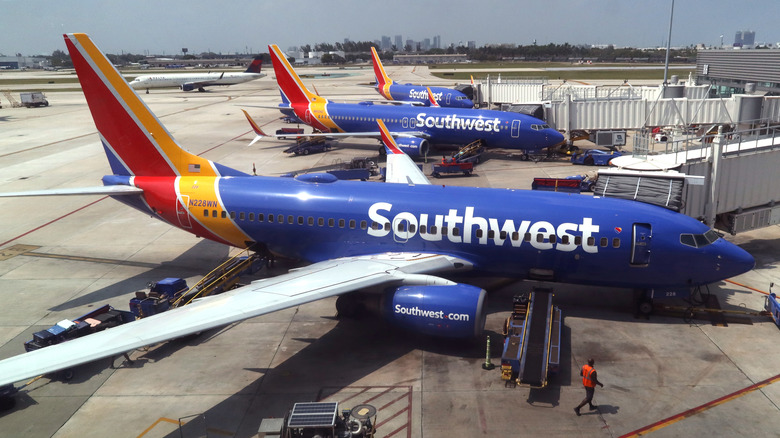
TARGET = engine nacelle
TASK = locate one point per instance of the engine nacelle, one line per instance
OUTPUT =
(413, 146)
(187, 87)
(453, 311)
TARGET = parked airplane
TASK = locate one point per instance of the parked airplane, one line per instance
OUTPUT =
(396, 239)
(390, 90)
(191, 81)
(414, 127)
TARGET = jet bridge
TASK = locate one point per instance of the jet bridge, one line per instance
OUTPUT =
(533, 340)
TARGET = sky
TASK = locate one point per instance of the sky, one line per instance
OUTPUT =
(33, 27)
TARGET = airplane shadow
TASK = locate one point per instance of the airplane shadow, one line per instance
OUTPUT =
(199, 258)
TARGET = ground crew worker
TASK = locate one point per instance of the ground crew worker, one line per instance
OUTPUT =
(589, 381)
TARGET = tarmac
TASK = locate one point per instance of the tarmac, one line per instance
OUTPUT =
(60, 257)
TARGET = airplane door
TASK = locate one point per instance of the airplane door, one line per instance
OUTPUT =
(401, 231)
(640, 246)
(308, 117)
(181, 211)
(448, 98)
(515, 128)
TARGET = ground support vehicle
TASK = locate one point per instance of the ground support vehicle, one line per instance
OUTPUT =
(469, 153)
(452, 167)
(772, 306)
(285, 133)
(322, 419)
(92, 322)
(595, 157)
(33, 99)
(173, 292)
(532, 347)
(570, 184)
(309, 145)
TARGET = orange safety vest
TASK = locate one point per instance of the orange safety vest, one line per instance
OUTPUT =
(587, 373)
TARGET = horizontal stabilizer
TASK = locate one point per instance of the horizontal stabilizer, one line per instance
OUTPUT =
(98, 190)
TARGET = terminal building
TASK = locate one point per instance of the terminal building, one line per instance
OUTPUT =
(739, 71)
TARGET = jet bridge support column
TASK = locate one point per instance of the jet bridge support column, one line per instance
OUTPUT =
(711, 208)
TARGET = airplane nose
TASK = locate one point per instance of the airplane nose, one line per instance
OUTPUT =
(554, 137)
(734, 260)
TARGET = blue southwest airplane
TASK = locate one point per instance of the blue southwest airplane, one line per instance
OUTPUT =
(390, 90)
(399, 240)
(414, 127)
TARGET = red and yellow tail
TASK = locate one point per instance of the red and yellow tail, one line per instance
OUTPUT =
(135, 141)
(290, 84)
(383, 82)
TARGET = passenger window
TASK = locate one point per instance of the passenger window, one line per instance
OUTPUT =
(280, 218)
(352, 224)
(444, 231)
(616, 242)
(411, 228)
(401, 225)
(363, 225)
(502, 235)
(290, 219)
(527, 237)
(260, 217)
(423, 229)
(479, 233)
(232, 215)
(456, 231)
(300, 220)
(578, 240)
(242, 216)
(591, 241)
(540, 237)
(320, 221)
(553, 238)
(341, 223)
(251, 217)
(433, 229)
(213, 213)
(224, 214)
(515, 234)
(491, 234)
(565, 239)
(387, 226)
(604, 242)
(310, 221)
(205, 213)
(270, 218)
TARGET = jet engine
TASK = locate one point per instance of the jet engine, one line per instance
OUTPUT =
(187, 87)
(413, 146)
(453, 311)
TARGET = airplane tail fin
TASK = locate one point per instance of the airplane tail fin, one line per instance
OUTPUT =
(255, 127)
(290, 83)
(135, 141)
(383, 82)
(255, 66)
(431, 98)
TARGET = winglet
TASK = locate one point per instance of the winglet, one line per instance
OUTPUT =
(255, 127)
(431, 99)
(391, 147)
(383, 82)
(400, 168)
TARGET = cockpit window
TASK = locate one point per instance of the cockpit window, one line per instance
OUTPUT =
(699, 240)
(540, 127)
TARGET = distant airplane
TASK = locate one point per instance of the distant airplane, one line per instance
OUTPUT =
(415, 128)
(396, 241)
(390, 90)
(192, 81)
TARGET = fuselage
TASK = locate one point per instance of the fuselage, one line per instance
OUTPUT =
(445, 97)
(515, 233)
(163, 80)
(498, 129)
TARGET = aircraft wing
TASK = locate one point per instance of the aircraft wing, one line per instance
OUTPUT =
(99, 190)
(299, 286)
